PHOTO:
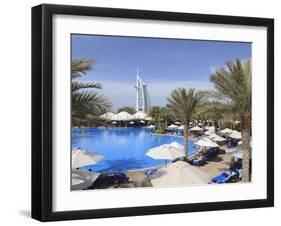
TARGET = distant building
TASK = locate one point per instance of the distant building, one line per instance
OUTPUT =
(142, 97)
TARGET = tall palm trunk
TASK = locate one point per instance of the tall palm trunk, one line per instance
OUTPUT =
(216, 124)
(246, 136)
(183, 104)
(159, 124)
(185, 139)
(235, 82)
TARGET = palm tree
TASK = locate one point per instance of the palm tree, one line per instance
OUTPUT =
(160, 114)
(87, 106)
(155, 113)
(182, 104)
(215, 110)
(165, 116)
(234, 81)
(128, 109)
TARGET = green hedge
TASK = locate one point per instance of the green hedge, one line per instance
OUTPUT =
(160, 131)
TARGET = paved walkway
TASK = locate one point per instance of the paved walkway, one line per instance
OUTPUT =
(217, 165)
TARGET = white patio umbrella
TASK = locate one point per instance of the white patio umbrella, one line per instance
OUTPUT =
(166, 152)
(81, 179)
(206, 127)
(210, 130)
(196, 128)
(172, 126)
(108, 116)
(84, 158)
(139, 115)
(238, 148)
(114, 122)
(205, 142)
(216, 138)
(237, 151)
(226, 131)
(177, 174)
(235, 134)
(142, 121)
(123, 116)
(151, 126)
(177, 123)
(181, 127)
(177, 145)
(132, 123)
(148, 118)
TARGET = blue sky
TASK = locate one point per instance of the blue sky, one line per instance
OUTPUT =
(164, 64)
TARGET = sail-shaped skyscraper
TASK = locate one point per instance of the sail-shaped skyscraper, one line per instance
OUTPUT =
(142, 95)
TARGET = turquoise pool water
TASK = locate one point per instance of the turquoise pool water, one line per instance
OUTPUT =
(122, 148)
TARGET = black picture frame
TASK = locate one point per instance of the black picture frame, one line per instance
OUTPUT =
(42, 107)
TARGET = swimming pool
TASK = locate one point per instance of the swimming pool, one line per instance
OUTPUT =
(122, 148)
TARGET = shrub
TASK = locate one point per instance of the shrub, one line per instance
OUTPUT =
(160, 131)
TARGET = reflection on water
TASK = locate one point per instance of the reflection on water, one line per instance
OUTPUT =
(122, 148)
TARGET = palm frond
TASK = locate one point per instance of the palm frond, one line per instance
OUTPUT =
(235, 83)
(81, 66)
(91, 101)
(87, 106)
(75, 86)
(182, 103)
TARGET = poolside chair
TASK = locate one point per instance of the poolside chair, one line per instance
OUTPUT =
(198, 162)
(120, 178)
(210, 153)
(150, 172)
(204, 158)
(232, 143)
(195, 162)
(226, 177)
(104, 181)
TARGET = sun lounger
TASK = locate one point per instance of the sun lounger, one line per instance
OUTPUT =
(210, 153)
(232, 143)
(150, 172)
(120, 178)
(111, 179)
(226, 177)
(198, 162)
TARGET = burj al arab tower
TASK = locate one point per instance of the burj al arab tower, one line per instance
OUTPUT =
(142, 97)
